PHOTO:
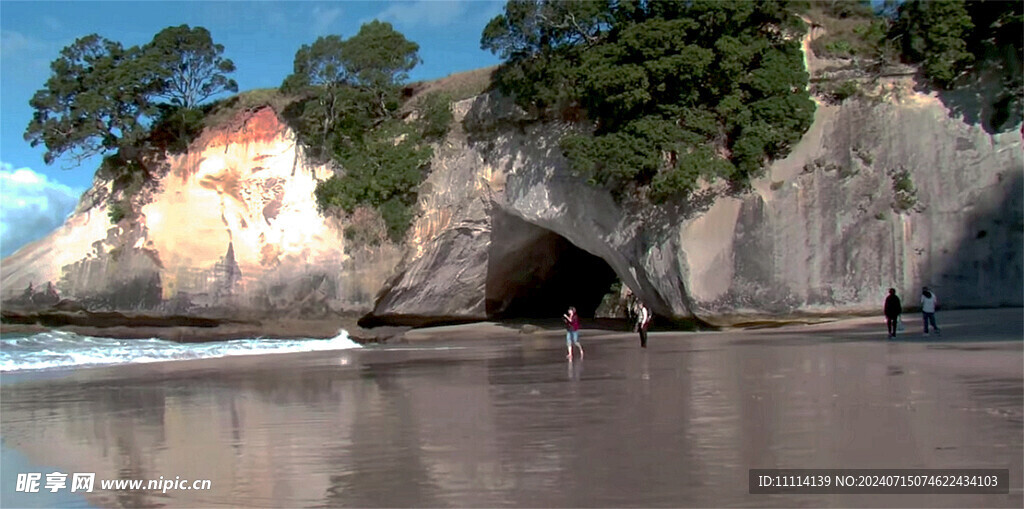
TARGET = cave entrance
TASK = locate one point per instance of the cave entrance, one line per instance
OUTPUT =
(533, 272)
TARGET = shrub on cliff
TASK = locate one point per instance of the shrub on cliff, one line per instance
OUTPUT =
(853, 30)
(958, 42)
(903, 190)
(435, 113)
(932, 34)
(350, 93)
(347, 85)
(661, 81)
(117, 211)
(381, 170)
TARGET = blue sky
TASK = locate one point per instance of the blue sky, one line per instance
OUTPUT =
(260, 37)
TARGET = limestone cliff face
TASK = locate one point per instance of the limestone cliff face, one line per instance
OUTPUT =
(229, 227)
(504, 229)
(822, 233)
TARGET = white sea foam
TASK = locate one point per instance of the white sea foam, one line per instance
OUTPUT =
(57, 349)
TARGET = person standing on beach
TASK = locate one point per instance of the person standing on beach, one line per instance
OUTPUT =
(893, 310)
(928, 303)
(643, 320)
(572, 331)
(631, 303)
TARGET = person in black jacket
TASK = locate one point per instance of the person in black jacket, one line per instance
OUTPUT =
(893, 310)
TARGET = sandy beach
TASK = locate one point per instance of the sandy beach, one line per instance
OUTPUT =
(487, 415)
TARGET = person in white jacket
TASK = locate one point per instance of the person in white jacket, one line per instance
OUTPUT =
(643, 320)
(928, 302)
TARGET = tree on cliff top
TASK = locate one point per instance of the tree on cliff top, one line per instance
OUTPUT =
(95, 101)
(347, 84)
(379, 59)
(103, 99)
(330, 108)
(933, 34)
(676, 91)
(960, 43)
(351, 91)
(189, 65)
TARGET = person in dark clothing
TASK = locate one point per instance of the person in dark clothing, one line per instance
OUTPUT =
(893, 310)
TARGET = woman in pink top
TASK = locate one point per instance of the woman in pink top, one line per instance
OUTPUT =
(572, 331)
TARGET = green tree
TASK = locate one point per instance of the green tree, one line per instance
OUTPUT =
(350, 92)
(95, 102)
(719, 86)
(189, 65)
(331, 110)
(996, 44)
(532, 27)
(382, 171)
(541, 40)
(104, 99)
(934, 33)
(435, 113)
(317, 65)
(378, 59)
(347, 85)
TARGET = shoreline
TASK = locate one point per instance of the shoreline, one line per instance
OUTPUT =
(204, 329)
(965, 330)
(211, 329)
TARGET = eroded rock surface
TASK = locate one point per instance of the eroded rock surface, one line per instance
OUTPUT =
(229, 228)
(823, 233)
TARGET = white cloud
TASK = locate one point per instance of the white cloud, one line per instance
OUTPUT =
(13, 42)
(323, 19)
(427, 13)
(30, 56)
(31, 206)
(53, 23)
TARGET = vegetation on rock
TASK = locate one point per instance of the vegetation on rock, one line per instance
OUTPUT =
(102, 98)
(128, 104)
(680, 93)
(904, 192)
(956, 44)
(347, 113)
(117, 211)
(672, 94)
(677, 92)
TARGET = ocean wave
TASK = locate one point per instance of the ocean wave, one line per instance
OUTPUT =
(59, 349)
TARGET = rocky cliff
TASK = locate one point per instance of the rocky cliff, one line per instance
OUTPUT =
(892, 189)
(228, 229)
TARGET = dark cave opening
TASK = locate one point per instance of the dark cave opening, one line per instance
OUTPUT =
(533, 272)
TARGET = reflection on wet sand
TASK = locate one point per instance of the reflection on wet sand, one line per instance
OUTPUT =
(510, 423)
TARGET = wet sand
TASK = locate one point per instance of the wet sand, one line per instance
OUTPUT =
(486, 416)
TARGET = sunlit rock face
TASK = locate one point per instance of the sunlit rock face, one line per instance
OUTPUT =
(228, 228)
(504, 229)
(821, 233)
